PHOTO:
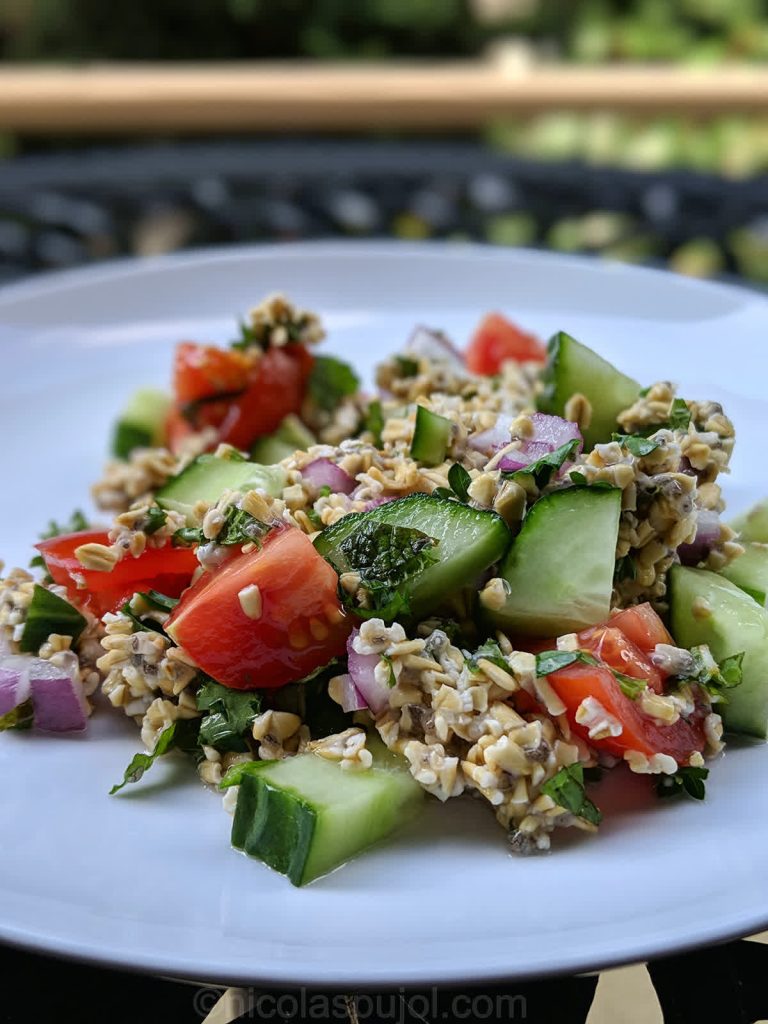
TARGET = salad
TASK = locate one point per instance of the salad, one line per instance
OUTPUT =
(501, 575)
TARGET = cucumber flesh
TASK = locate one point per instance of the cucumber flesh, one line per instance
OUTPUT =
(705, 608)
(560, 566)
(207, 478)
(753, 525)
(305, 816)
(142, 422)
(750, 571)
(571, 369)
(469, 540)
(290, 436)
(431, 437)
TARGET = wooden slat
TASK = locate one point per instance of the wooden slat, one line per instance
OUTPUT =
(302, 96)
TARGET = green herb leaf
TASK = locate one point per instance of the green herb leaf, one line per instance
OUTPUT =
(237, 772)
(392, 678)
(240, 527)
(331, 380)
(644, 391)
(309, 699)
(20, 717)
(156, 519)
(712, 677)
(180, 735)
(548, 662)
(160, 601)
(630, 686)
(636, 444)
(543, 469)
(48, 613)
(578, 478)
(688, 780)
(324, 491)
(230, 715)
(314, 518)
(459, 479)
(186, 537)
(679, 415)
(139, 624)
(75, 524)
(373, 421)
(247, 338)
(407, 367)
(568, 791)
(490, 651)
(625, 569)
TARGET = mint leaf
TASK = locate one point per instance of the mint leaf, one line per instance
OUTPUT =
(688, 780)
(459, 479)
(160, 601)
(240, 527)
(630, 686)
(20, 717)
(48, 613)
(156, 519)
(490, 651)
(578, 478)
(180, 735)
(331, 380)
(230, 715)
(543, 469)
(548, 662)
(636, 444)
(373, 421)
(567, 790)
(712, 677)
(679, 415)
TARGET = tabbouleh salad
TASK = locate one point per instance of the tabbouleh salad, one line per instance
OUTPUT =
(500, 575)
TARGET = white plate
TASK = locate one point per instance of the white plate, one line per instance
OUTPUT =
(147, 880)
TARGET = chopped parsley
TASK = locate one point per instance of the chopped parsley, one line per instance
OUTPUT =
(689, 780)
(230, 715)
(630, 686)
(548, 662)
(331, 380)
(391, 678)
(239, 527)
(636, 444)
(577, 477)
(712, 677)
(490, 651)
(567, 790)
(138, 623)
(679, 415)
(179, 735)
(156, 520)
(75, 524)
(20, 717)
(160, 601)
(543, 469)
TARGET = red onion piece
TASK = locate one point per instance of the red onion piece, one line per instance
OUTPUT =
(555, 431)
(57, 694)
(375, 502)
(14, 683)
(435, 345)
(490, 441)
(530, 452)
(351, 698)
(707, 535)
(324, 473)
(362, 672)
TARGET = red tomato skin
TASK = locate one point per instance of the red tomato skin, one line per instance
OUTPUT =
(611, 646)
(167, 570)
(642, 626)
(639, 732)
(497, 340)
(301, 625)
(200, 371)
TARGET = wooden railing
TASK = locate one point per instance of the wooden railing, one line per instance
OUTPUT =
(121, 98)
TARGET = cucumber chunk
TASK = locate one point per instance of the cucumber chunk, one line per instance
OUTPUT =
(305, 816)
(705, 608)
(560, 566)
(142, 422)
(750, 571)
(571, 369)
(753, 525)
(469, 540)
(431, 437)
(290, 436)
(207, 478)
(48, 613)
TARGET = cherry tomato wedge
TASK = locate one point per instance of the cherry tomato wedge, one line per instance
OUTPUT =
(497, 340)
(265, 618)
(640, 732)
(165, 569)
(610, 645)
(643, 627)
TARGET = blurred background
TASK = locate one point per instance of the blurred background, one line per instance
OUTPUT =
(632, 129)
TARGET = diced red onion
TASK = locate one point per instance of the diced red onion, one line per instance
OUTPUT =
(362, 670)
(324, 473)
(490, 441)
(351, 698)
(530, 452)
(554, 431)
(707, 535)
(57, 694)
(375, 502)
(435, 345)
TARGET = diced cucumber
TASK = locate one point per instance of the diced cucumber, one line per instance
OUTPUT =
(142, 423)
(705, 608)
(571, 369)
(753, 525)
(290, 436)
(431, 437)
(207, 478)
(469, 540)
(560, 566)
(750, 571)
(48, 613)
(305, 816)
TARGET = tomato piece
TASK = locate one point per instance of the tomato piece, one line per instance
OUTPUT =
(640, 732)
(611, 646)
(167, 569)
(642, 626)
(295, 625)
(200, 371)
(497, 340)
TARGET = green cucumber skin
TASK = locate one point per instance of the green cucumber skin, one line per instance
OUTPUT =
(573, 368)
(306, 816)
(753, 525)
(290, 436)
(142, 422)
(431, 437)
(736, 623)
(59, 617)
(206, 479)
(560, 566)
(470, 541)
(750, 571)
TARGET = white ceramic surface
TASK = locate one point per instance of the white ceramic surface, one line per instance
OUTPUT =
(147, 879)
